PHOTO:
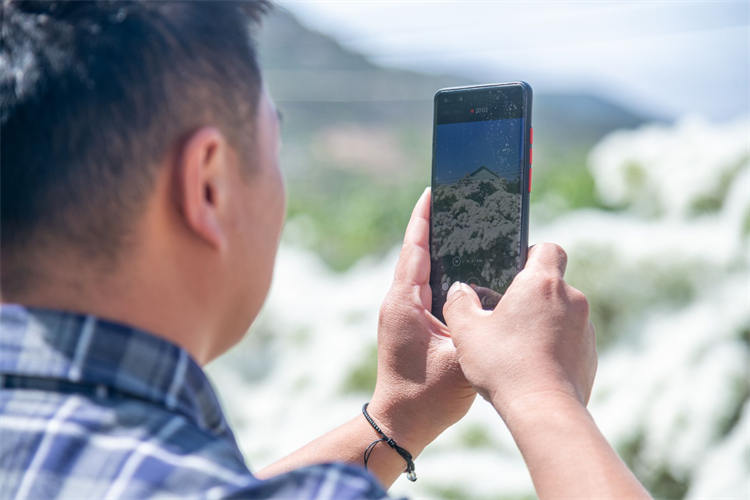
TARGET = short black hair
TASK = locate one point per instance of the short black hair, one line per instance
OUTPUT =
(93, 95)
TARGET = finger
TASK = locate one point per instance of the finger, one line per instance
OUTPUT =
(547, 257)
(462, 306)
(418, 229)
(413, 267)
(488, 297)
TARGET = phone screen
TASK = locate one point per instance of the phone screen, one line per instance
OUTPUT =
(478, 188)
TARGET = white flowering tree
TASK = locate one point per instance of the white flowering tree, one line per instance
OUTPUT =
(475, 229)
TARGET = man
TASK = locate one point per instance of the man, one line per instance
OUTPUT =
(142, 205)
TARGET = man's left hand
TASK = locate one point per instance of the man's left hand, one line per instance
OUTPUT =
(420, 389)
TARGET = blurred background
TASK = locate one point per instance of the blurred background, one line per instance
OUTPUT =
(641, 171)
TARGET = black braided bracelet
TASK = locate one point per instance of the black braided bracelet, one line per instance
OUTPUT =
(410, 474)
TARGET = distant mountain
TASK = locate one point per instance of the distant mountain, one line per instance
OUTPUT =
(318, 83)
(482, 173)
(357, 140)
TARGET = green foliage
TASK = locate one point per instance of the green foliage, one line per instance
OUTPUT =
(449, 492)
(745, 335)
(618, 294)
(746, 224)
(635, 176)
(476, 436)
(353, 214)
(662, 483)
(741, 390)
(713, 201)
(567, 180)
(456, 492)
(362, 377)
(707, 204)
(630, 450)
(301, 336)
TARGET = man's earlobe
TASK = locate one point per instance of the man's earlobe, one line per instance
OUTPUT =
(201, 178)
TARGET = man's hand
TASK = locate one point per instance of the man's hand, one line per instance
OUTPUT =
(534, 358)
(537, 341)
(420, 388)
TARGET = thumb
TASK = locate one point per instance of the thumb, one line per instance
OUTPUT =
(461, 307)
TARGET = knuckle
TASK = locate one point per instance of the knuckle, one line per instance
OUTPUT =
(555, 248)
(386, 310)
(550, 285)
(579, 301)
(402, 265)
(399, 274)
(524, 278)
(561, 252)
(396, 309)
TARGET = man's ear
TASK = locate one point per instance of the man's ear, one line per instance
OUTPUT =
(201, 182)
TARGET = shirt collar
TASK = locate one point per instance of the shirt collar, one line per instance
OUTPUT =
(84, 349)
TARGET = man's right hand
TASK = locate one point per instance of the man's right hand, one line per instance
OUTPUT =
(538, 341)
(534, 358)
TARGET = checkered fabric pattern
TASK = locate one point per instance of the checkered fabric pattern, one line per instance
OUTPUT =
(95, 409)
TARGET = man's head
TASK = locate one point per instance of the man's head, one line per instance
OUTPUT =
(139, 163)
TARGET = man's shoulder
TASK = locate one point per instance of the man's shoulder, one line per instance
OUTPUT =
(57, 444)
(90, 408)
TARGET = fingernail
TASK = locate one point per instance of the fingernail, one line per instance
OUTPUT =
(454, 288)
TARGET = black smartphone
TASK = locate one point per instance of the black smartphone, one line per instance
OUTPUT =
(481, 180)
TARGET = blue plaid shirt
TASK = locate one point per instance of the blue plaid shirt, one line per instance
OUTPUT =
(95, 409)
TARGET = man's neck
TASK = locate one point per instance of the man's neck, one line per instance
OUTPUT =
(145, 303)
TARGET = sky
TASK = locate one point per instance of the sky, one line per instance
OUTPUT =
(667, 58)
(464, 147)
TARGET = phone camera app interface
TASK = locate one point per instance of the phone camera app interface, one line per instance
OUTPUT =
(476, 206)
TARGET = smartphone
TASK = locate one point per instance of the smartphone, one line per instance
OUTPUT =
(481, 180)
